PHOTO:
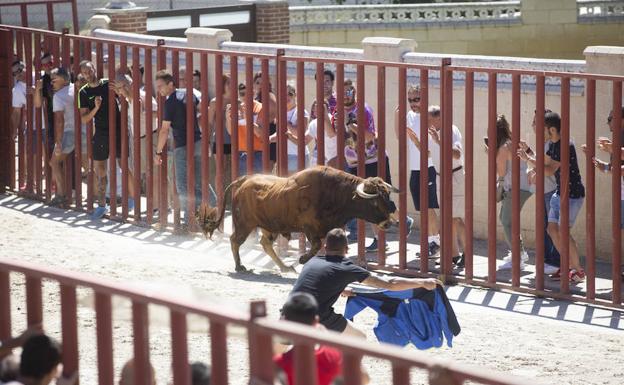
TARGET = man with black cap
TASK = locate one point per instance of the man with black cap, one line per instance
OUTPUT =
(327, 276)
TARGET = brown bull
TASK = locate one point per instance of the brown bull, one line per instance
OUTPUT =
(312, 201)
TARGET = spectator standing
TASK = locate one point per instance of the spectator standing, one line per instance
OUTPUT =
(292, 149)
(64, 131)
(94, 106)
(504, 156)
(227, 139)
(458, 180)
(330, 141)
(552, 164)
(174, 118)
(413, 149)
(258, 132)
(329, 96)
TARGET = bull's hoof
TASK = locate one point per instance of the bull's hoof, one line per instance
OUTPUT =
(304, 258)
(240, 269)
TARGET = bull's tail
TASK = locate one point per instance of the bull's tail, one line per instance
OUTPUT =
(226, 193)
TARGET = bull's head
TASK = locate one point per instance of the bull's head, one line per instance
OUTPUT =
(375, 193)
(208, 219)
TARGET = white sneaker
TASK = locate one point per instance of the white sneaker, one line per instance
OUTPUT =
(550, 269)
(524, 257)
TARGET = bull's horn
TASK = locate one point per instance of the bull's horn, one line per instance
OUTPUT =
(360, 191)
(391, 187)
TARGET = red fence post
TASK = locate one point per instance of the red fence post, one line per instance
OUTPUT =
(469, 165)
(219, 134)
(34, 305)
(492, 177)
(123, 67)
(7, 142)
(401, 373)
(136, 132)
(351, 367)
(5, 304)
(260, 346)
(305, 372)
(301, 126)
(149, 129)
(140, 331)
(361, 167)
(282, 118)
(30, 129)
(163, 200)
(191, 120)
(218, 349)
(205, 138)
(179, 348)
(320, 115)
(234, 114)
(424, 165)
(69, 328)
(615, 189)
(515, 190)
(540, 206)
(381, 166)
(104, 336)
(78, 133)
(339, 117)
(564, 227)
(249, 101)
(446, 174)
(266, 113)
(112, 134)
(402, 146)
(590, 188)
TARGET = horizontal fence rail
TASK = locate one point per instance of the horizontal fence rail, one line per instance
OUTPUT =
(260, 329)
(276, 140)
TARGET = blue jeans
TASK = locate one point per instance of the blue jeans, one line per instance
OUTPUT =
(551, 255)
(574, 207)
(179, 154)
(257, 163)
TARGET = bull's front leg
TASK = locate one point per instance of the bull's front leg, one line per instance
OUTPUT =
(314, 249)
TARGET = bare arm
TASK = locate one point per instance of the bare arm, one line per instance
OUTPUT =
(399, 283)
(38, 98)
(550, 166)
(16, 114)
(87, 115)
(502, 156)
(163, 134)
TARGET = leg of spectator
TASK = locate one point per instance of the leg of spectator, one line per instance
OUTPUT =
(101, 181)
(58, 174)
(180, 179)
(524, 197)
(551, 255)
(553, 232)
(506, 216)
(198, 179)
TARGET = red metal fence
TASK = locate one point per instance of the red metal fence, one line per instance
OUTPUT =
(154, 57)
(24, 5)
(260, 333)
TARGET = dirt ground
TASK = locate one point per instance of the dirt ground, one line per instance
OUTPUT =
(552, 342)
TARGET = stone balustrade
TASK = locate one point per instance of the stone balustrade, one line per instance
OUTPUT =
(599, 10)
(357, 15)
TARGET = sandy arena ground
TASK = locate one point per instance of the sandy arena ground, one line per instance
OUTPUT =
(553, 342)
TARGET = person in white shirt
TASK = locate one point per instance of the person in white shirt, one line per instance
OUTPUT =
(458, 180)
(330, 143)
(413, 150)
(18, 102)
(292, 131)
(63, 107)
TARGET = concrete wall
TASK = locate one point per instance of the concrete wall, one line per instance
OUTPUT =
(547, 29)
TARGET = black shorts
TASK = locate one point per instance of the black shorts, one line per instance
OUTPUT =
(431, 188)
(370, 170)
(100, 146)
(333, 321)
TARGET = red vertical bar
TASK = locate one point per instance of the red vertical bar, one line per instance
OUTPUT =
(34, 310)
(218, 349)
(424, 165)
(401, 374)
(492, 178)
(615, 186)
(77, 133)
(402, 145)
(266, 164)
(66, 62)
(123, 67)
(447, 136)
(219, 122)
(301, 128)
(564, 228)
(305, 364)
(179, 348)
(30, 132)
(191, 118)
(24, 14)
(515, 173)
(351, 368)
(205, 139)
(75, 17)
(260, 346)
(234, 114)
(99, 57)
(21, 161)
(112, 134)
(320, 115)
(163, 200)
(249, 138)
(140, 331)
(590, 187)
(540, 206)
(381, 164)
(282, 77)
(469, 166)
(103, 313)
(136, 132)
(5, 305)
(361, 167)
(38, 136)
(339, 121)
(149, 128)
(69, 329)
(50, 9)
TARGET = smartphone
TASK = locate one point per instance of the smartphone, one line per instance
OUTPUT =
(485, 139)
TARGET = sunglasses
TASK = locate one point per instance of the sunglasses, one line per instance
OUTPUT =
(413, 100)
(609, 119)
(349, 93)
